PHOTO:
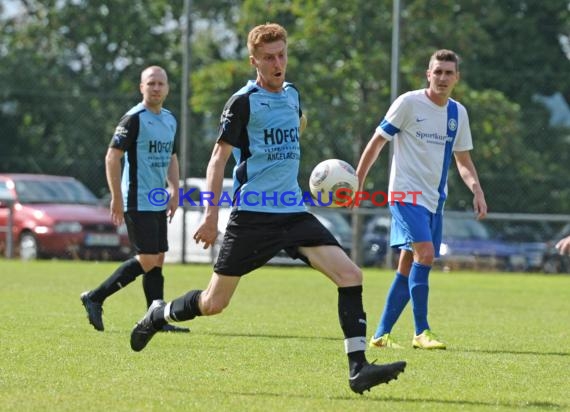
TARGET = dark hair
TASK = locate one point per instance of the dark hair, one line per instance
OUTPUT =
(444, 55)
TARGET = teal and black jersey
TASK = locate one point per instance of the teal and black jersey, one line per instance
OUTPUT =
(149, 141)
(263, 127)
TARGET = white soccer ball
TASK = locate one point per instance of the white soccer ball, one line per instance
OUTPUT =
(333, 183)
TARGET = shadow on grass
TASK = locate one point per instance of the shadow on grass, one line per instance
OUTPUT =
(512, 352)
(260, 335)
(329, 338)
(488, 351)
(412, 401)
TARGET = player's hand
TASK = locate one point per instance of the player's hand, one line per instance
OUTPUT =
(172, 205)
(207, 232)
(563, 246)
(117, 213)
(479, 205)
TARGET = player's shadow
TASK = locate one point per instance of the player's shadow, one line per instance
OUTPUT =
(511, 352)
(261, 335)
(414, 403)
(465, 350)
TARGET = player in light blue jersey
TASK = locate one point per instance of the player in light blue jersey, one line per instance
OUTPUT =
(261, 126)
(427, 128)
(265, 146)
(146, 138)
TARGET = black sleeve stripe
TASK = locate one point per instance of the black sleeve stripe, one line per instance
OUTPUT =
(126, 132)
(234, 119)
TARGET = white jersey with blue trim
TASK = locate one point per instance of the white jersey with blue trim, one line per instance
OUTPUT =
(264, 128)
(425, 136)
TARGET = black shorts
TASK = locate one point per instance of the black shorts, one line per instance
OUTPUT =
(147, 232)
(253, 238)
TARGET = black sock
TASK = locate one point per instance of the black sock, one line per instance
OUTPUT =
(353, 323)
(125, 274)
(183, 308)
(186, 307)
(153, 285)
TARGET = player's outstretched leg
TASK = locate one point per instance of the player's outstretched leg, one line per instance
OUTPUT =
(144, 330)
(371, 375)
(159, 313)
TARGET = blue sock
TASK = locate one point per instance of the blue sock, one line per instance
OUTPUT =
(398, 298)
(419, 291)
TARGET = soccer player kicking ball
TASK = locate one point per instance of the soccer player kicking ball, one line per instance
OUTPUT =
(427, 128)
(253, 119)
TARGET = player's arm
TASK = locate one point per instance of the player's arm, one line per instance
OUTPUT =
(172, 179)
(208, 229)
(303, 123)
(469, 175)
(113, 174)
(123, 138)
(369, 156)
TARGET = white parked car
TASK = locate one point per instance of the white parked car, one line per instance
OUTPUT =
(194, 214)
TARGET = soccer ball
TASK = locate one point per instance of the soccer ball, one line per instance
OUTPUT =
(328, 177)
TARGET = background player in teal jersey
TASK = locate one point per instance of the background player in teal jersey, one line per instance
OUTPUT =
(146, 137)
(261, 126)
(428, 128)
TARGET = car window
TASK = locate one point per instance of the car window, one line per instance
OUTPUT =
(339, 223)
(378, 226)
(54, 191)
(380, 229)
(521, 231)
(464, 229)
(4, 191)
(4, 186)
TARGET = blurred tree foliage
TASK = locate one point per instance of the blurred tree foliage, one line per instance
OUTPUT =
(71, 70)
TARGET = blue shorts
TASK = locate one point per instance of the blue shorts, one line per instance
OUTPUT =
(414, 223)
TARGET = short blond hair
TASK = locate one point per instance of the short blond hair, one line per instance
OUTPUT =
(265, 33)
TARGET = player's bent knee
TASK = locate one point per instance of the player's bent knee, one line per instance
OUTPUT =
(350, 277)
(425, 258)
(210, 307)
(424, 253)
(355, 272)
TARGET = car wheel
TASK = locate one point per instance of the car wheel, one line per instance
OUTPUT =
(29, 248)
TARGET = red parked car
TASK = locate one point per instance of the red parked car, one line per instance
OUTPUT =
(58, 216)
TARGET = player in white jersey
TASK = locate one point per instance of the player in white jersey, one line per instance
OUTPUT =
(427, 127)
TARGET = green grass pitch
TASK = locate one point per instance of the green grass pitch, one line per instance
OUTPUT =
(278, 347)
